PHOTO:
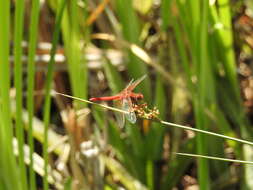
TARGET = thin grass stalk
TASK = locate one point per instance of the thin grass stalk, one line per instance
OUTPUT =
(49, 78)
(161, 121)
(214, 158)
(19, 22)
(9, 166)
(33, 35)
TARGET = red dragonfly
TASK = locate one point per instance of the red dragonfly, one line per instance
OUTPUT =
(125, 97)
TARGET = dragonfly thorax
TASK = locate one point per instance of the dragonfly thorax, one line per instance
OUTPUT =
(136, 95)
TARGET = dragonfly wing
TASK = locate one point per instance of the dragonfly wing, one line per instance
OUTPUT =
(127, 106)
(129, 84)
(120, 120)
(120, 117)
(132, 85)
(131, 117)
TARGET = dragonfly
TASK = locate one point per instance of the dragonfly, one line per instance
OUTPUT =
(125, 99)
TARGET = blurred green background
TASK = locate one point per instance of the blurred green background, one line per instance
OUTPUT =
(197, 56)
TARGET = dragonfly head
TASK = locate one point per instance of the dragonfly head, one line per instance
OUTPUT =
(138, 96)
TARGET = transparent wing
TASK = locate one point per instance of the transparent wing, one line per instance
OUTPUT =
(131, 117)
(132, 85)
(127, 106)
(120, 117)
(129, 84)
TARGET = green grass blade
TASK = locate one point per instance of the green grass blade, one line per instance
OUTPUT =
(150, 174)
(248, 169)
(135, 137)
(67, 185)
(205, 92)
(225, 38)
(33, 35)
(154, 148)
(177, 166)
(128, 18)
(114, 80)
(49, 77)
(75, 53)
(125, 151)
(127, 180)
(8, 162)
(77, 67)
(227, 42)
(165, 13)
(131, 33)
(182, 52)
(19, 22)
